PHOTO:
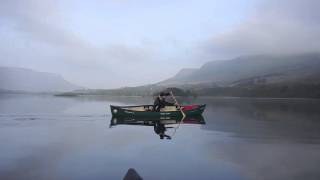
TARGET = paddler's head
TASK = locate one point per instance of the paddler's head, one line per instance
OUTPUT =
(162, 95)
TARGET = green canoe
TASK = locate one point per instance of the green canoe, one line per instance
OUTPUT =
(147, 111)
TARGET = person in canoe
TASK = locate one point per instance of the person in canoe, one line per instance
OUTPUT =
(160, 102)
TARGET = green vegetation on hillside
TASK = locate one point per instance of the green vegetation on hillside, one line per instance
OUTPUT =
(266, 91)
(176, 92)
(270, 76)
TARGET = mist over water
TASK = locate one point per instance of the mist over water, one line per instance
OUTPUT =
(47, 137)
(88, 53)
(92, 44)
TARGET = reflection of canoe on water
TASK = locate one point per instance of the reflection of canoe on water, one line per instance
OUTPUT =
(147, 111)
(159, 124)
(152, 121)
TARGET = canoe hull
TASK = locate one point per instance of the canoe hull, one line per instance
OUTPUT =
(121, 111)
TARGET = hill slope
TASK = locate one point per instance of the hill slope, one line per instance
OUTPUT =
(22, 79)
(290, 76)
(254, 69)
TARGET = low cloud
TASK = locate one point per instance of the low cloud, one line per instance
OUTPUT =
(41, 22)
(41, 28)
(37, 34)
(283, 27)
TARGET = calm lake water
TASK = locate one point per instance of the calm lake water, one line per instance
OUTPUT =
(46, 137)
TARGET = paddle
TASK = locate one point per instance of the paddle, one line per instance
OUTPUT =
(174, 98)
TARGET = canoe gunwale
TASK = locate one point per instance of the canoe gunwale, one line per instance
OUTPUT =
(120, 111)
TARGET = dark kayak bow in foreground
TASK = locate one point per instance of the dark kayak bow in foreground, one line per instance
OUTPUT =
(147, 111)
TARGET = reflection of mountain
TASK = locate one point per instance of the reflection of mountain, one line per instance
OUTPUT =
(265, 119)
(20, 79)
(33, 105)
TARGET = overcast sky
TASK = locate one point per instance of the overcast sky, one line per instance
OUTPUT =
(116, 43)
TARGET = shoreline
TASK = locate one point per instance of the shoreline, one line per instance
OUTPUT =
(123, 96)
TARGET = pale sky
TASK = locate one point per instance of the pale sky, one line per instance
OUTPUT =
(116, 43)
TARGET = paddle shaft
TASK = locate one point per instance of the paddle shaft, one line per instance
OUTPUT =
(174, 98)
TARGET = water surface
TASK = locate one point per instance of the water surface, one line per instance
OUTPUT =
(47, 137)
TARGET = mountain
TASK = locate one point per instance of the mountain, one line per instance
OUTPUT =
(21, 79)
(261, 69)
(269, 76)
(179, 77)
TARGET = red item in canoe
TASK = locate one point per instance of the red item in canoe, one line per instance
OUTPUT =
(189, 107)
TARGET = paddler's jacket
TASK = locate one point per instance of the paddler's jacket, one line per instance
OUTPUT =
(160, 103)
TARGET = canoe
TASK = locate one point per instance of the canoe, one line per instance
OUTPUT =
(150, 121)
(147, 111)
